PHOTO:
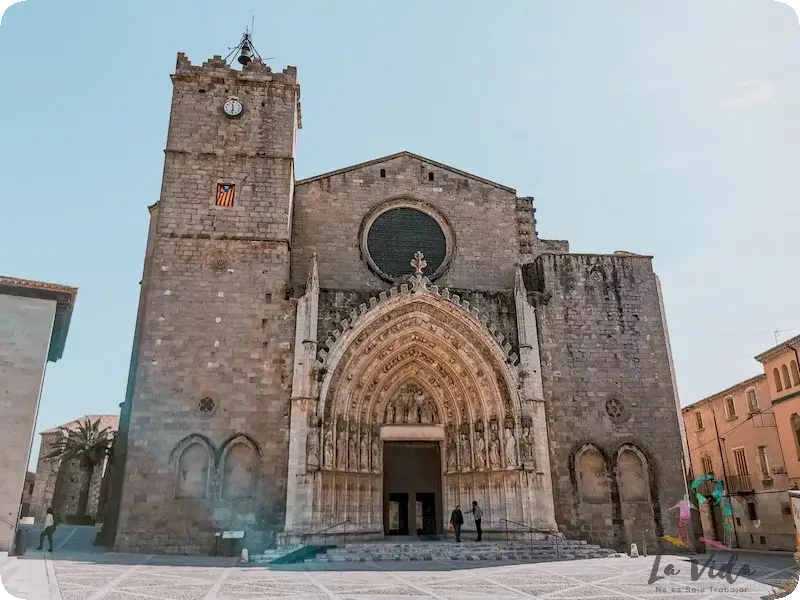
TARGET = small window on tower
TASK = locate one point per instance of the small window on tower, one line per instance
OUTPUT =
(383, 172)
(430, 176)
(225, 193)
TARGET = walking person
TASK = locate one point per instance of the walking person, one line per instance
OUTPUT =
(456, 521)
(477, 513)
(684, 518)
(49, 529)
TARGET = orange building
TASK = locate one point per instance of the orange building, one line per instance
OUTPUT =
(780, 365)
(748, 437)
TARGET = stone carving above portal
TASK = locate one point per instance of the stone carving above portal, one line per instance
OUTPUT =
(377, 461)
(466, 448)
(410, 405)
(366, 438)
(451, 450)
(312, 443)
(510, 446)
(480, 447)
(354, 430)
(341, 444)
(526, 445)
(418, 282)
(328, 448)
(494, 446)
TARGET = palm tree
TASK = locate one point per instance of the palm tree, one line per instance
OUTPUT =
(88, 445)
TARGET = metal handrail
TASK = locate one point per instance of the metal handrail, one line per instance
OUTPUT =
(10, 524)
(325, 533)
(531, 530)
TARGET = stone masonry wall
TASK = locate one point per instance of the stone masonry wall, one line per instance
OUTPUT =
(215, 336)
(218, 322)
(26, 325)
(775, 530)
(116, 474)
(601, 338)
(46, 475)
(489, 226)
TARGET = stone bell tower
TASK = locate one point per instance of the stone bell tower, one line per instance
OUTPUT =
(205, 426)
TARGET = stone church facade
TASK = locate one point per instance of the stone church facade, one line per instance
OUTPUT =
(370, 347)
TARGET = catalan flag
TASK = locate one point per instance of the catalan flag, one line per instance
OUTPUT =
(225, 194)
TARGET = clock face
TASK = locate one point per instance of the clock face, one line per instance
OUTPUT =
(233, 107)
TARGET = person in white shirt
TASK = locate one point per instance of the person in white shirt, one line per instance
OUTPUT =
(477, 513)
(49, 529)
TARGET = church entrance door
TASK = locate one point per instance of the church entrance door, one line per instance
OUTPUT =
(412, 488)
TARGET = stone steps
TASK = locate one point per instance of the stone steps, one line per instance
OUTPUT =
(539, 550)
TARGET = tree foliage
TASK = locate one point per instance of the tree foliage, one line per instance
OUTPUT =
(87, 444)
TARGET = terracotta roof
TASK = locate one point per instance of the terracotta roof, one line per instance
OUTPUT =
(788, 344)
(405, 153)
(109, 421)
(63, 295)
(734, 388)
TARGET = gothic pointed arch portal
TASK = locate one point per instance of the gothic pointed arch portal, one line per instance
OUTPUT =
(420, 361)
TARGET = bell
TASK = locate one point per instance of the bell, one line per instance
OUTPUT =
(246, 55)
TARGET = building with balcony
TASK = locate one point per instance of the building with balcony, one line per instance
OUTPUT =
(748, 438)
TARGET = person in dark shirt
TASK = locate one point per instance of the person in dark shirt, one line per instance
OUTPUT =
(457, 520)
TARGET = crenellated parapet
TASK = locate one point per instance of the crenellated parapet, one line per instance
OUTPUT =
(217, 67)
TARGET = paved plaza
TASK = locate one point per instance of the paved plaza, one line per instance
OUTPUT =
(73, 576)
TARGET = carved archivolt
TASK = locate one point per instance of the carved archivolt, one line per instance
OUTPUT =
(421, 357)
(422, 336)
(357, 315)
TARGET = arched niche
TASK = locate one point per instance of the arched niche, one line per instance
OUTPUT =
(591, 474)
(633, 481)
(193, 458)
(239, 462)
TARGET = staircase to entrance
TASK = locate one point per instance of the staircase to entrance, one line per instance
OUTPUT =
(515, 542)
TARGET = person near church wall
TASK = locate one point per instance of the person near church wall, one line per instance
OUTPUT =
(456, 521)
(477, 513)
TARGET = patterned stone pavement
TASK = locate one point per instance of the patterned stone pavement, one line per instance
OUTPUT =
(125, 577)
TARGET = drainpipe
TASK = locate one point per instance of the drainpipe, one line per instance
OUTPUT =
(724, 474)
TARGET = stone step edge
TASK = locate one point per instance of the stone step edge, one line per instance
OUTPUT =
(467, 558)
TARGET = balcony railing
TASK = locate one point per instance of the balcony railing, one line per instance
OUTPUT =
(739, 484)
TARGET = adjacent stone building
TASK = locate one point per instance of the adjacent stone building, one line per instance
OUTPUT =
(34, 320)
(58, 482)
(371, 346)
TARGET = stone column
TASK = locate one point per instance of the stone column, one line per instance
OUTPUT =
(533, 406)
(302, 426)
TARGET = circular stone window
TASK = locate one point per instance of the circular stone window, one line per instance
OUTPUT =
(206, 407)
(394, 235)
(616, 410)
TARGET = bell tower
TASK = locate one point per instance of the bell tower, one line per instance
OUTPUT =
(205, 425)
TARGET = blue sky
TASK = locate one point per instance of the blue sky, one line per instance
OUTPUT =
(668, 128)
